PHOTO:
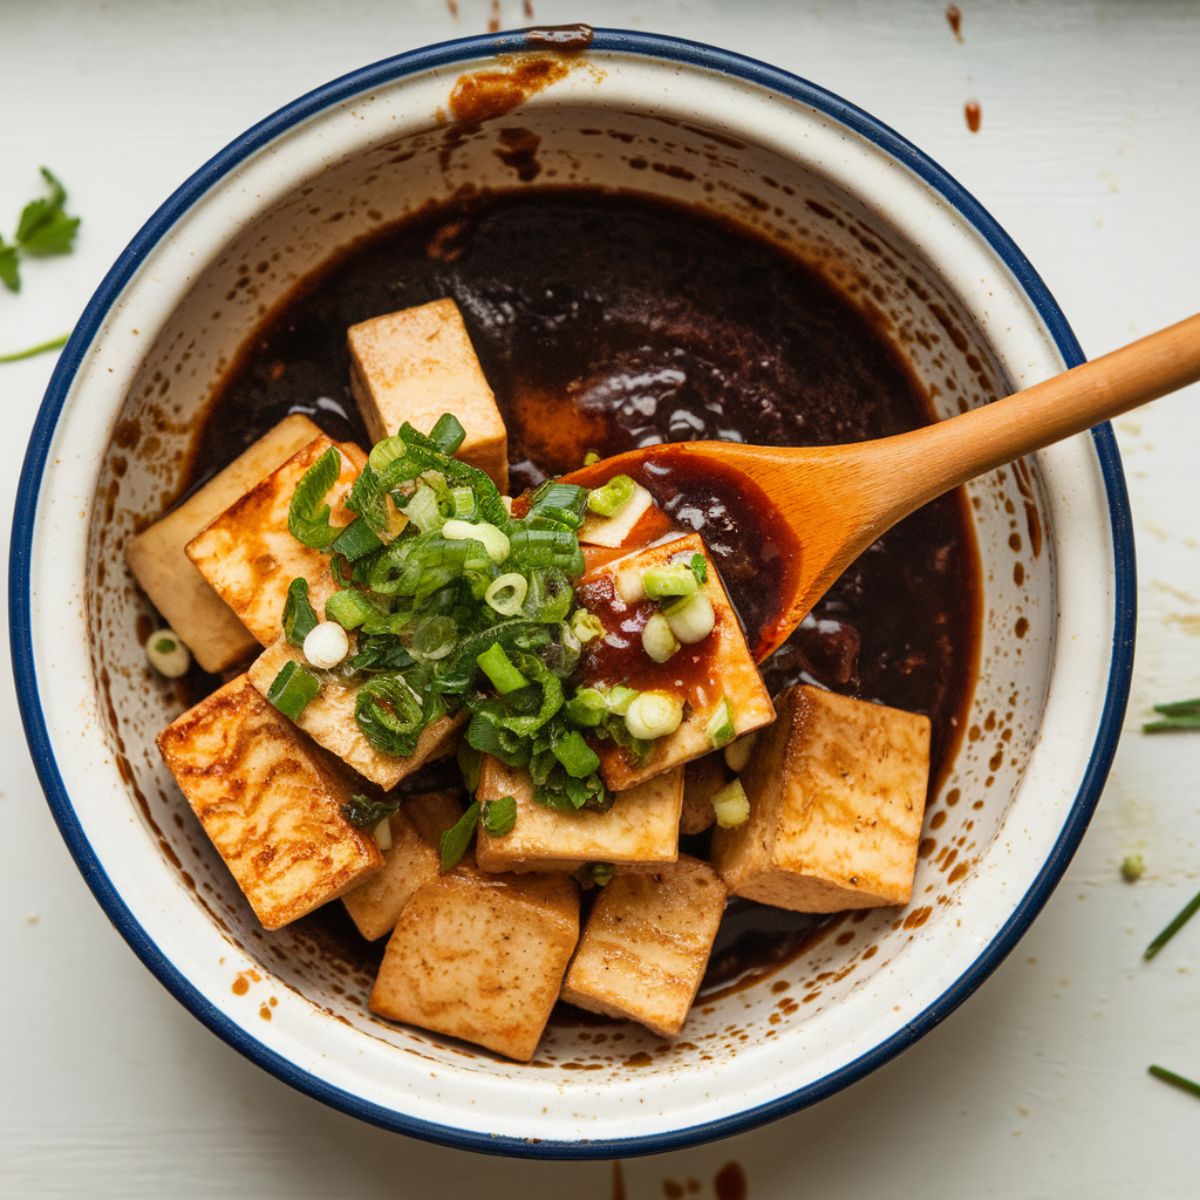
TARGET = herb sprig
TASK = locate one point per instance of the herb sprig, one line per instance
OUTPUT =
(45, 228)
(1179, 715)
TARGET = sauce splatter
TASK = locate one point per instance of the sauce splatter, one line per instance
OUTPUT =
(494, 17)
(618, 1182)
(485, 95)
(730, 1182)
(974, 115)
(954, 20)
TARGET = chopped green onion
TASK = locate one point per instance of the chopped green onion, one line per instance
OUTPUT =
(559, 505)
(691, 619)
(720, 728)
(602, 874)
(498, 667)
(660, 582)
(308, 514)
(737, 754)
(356, 540)
(699, 565)
(349, 608)
(620, 698)
(447, 433)
(390, 714)
(457, 839)
(657, 639)
(587, 708)
(167, 654)
(382, 833)
(546, 548)
(653, 715)
(423, 511)
(1133, 867)
(1188, 911)
(1178, 715)
(1184, 1084)
(586, 626)
(464, 502)
(364, 813)
(469, 762)
(506, 594)
(590, 457)
(326, 645)
(731, 805)
(577, 757)
(499, 816)
(608, 500)
(493, 540)
(433, 638)
(292, 689)
(299, 618)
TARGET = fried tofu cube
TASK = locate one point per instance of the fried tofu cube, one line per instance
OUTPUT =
(639, 832)
(249, 557)
(415, 365)
(702, 779)
(481, 957)
(413, 861)
(705, 674)
(329, 720)
(837, 795)
(270, 803)
(643, 954)
(216, 638)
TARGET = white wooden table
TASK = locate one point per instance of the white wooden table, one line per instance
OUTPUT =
(1089, 155)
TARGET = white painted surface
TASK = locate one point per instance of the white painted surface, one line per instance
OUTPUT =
(1088, 156)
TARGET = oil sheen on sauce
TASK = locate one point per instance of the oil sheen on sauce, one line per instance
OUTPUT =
(608, 322)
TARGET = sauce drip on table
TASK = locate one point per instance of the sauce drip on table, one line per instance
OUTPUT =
(609, 322)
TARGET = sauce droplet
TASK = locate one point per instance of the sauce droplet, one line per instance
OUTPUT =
(954, 19)
(618, 1182)
(730, 1182)
(974, 115)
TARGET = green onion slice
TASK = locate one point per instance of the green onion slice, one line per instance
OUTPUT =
(608, 500)
(299, 618)
(506, 594)
(720, 728)
(579, 760)
(494, 541)
(390, 714)
(356, 541)
(658, 640)
(349, 608)
(1185, 914)
(499, 816)
(602, 874)
(457, 839)
(669, 580)
(586, 626)
(308, 514)
(364, 813)
(292, 689)
(498, 667)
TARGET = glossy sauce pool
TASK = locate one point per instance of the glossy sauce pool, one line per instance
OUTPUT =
(608, 322)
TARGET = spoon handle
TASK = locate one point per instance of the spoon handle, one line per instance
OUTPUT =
(941, 456)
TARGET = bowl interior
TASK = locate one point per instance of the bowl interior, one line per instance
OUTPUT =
(903, 256)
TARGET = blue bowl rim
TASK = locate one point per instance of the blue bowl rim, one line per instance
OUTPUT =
(386, 71)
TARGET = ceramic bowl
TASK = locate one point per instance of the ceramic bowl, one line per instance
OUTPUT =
(654, 115)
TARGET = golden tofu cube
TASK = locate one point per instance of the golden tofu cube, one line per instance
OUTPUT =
(646, 945)
(415, 365)
(413, 860)
(640, 831)
(270, 803)
(250, 558)
(329, 720)
(837, 795)
(702, 779)
(481, 957)
(156, 556)
(705, 674)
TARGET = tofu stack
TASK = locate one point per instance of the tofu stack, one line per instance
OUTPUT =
(818, 805)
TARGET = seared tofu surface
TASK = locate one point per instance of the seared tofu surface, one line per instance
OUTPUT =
(375, 905)
(248, 555)
(837, 796)
(418, 363)
(639, 832)
(270, 803)
(329, 720)
(727, 670)
(159, 562)
(702, 779)
(481, 957)
(644, 951)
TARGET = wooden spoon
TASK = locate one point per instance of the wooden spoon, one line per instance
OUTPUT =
(837, 500)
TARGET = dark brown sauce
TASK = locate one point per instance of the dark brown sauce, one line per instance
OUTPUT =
(611, 322)
(730, 1182)
(954, 20)
(973, 112)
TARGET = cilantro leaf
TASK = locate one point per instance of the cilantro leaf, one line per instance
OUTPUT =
(456, 840)
(44, 227)
(10, 270)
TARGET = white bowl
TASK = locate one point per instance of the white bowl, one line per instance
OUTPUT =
(674, 119)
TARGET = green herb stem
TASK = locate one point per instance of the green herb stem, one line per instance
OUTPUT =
(32, 351)
(1179, 1081)
(1185, 914)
